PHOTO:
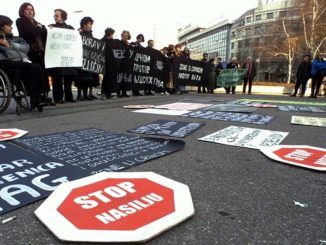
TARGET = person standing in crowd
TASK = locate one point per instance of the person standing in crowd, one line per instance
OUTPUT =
(250, 74)
(175, 54)
(204, 85)
(86, 80)
(148, 87)
(232, 65)
(318, 73)
(303, 75)
(34, 33)
(166, 70)
(211, 76)
(62, 76)
(137, 45)
(109, 82)
(122, 90)
(185, 54)
(13, 55)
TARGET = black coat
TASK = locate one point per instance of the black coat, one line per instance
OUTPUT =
(62, 71)
(252, 75)
(304, 71)
(35, 35)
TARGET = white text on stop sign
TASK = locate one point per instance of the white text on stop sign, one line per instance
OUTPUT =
(105, 196)
(299, 155)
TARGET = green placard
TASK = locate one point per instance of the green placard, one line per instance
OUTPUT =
(289, 102)
(230, 77)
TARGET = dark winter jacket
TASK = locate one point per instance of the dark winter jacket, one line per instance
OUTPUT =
(304, 71)
(17, 51)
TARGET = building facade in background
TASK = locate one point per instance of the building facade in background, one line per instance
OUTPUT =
(246, 36)
(254, 33)
(214, 40)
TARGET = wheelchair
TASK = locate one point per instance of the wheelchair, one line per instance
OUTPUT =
(15, 89)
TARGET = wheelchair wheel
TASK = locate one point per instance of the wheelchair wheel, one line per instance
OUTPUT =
(5, 91)
(20, 96)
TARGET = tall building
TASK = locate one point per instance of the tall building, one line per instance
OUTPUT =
(214, 40)
(256, 29)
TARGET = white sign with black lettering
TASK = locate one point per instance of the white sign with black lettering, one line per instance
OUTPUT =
(246, 137)
(64, 48)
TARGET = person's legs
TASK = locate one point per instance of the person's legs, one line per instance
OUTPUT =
(57, 88)
(67, 89)
(245, 81)
(250, 86)
(313, 87)
(233, 89)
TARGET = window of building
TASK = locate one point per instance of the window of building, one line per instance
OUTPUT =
(248, 19)
(283, 13)
(258, 17)
(270, 16)
(232, 45)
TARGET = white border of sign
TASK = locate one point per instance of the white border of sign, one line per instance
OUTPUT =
(19, 132)
(269, 152)
(66, 231)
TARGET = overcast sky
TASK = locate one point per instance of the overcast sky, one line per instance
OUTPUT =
(157, 20)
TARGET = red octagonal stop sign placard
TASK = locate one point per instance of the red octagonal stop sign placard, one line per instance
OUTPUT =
(116, 207)
(11, 133)
(298, 155)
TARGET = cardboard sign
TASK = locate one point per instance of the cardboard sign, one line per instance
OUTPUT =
(252, 104)
(98, 150)
(299, 108)
(232, 117)
(299, 155)
(246, 137)
(162, 112)
(168, 128)
(183, 106)
(116, 207)
(64, 48)
(26, 177)
(309, 121)
(93, 55)
(11, 133)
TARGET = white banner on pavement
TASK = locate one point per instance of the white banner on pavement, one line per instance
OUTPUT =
(246, 137)
(64, 48)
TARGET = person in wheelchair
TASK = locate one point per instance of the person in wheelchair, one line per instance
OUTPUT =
(13, 56)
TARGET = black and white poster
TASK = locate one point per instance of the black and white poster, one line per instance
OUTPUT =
(144, 67)
(168, 128)
(230, 108)
(299, 108)
(189, 72)
(93, 55)
(246, 137)
(232, 117)
(97, 150)
(26, 177)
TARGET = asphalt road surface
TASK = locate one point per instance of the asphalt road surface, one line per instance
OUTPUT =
(240, 196)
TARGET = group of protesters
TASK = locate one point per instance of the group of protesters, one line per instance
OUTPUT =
(26, 54)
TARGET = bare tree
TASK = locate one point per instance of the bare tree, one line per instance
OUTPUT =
(313, 15)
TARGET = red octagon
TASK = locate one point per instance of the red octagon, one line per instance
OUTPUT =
(117, 204)
(303, 156)
(5, 135)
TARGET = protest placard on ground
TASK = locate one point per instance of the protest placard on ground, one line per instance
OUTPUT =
(246, 137)
(97, 150)
(309, 121)
(168, 128)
